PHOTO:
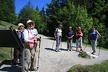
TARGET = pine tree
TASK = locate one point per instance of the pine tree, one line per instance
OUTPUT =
(7, 11)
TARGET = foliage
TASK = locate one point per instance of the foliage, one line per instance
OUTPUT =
(5, 54)
(82, 54)
(90, 68)
(68, 15)
(7, 11)
(98, 10)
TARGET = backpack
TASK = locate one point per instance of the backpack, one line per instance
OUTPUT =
(20, 35)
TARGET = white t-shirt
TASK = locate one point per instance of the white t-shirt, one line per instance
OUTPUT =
(28, 35)
(58, 32)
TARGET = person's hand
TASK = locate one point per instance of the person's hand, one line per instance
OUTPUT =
(36, 42)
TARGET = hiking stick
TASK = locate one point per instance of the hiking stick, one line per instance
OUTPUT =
(61, 42)
(99, 51)
(85, 46)
(39, 54)
(53, 44)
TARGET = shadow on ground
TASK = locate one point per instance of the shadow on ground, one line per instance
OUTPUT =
(62, 49)
(9, 66)
(50, 49)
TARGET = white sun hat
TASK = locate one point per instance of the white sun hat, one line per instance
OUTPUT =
(30, 21)
(20, 24)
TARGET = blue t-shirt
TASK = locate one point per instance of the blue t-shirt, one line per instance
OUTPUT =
(70, 33)
(93, 35)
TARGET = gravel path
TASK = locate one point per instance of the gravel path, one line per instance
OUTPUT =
(51, 61)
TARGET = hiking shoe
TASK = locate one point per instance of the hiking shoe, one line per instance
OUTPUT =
(57, 50)
(92, 53)
(76, 49)
(81, 49)
(32, 69)
(70, 50)
(67, 49)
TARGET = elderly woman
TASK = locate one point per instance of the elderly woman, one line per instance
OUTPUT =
(17, 51)
(79, 35)
(58, 36)
(30, 43)
(94, 34)
(69, 35)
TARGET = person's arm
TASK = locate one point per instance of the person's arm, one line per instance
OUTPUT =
(73, 34)
(55, 33)
(25, 33)
(81, 34)
(98, 33)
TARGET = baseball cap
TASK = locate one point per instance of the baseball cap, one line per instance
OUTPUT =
(20, 24)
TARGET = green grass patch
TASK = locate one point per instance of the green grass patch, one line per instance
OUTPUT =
(5, 54)
(7, 25)
(103, 67)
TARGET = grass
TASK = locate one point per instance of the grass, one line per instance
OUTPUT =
(7, 25)
(5, 53)
(103, 67)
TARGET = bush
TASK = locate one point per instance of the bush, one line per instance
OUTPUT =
(82, 54)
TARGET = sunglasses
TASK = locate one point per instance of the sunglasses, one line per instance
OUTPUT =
(30, 24)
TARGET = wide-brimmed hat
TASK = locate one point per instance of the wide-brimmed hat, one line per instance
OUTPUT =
(30, 21)
(20, 24)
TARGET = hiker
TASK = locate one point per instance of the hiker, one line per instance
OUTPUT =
(17, 51)
(79, 35)
(69, 36)
(94, 34)
(58, 36)
(35, 32)
(30, 43)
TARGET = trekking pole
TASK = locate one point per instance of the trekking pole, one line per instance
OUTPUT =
(39, 54)
(85, 46)
(53, 44)
(99, 51)
(61, 42)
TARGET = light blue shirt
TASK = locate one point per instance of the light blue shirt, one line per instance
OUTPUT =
(34, 31)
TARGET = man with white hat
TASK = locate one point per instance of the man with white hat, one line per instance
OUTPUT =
(30, 43)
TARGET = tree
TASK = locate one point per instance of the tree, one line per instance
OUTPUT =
(37, 8)
(7, 11)
(27, 12)
(69, 15)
